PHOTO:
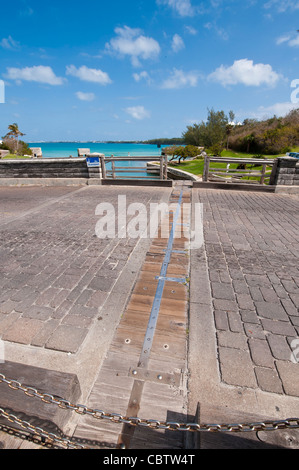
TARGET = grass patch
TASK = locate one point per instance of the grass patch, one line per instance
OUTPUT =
(12, 156)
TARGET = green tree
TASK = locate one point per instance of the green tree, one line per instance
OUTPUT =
(14, 133)
(249, 140)
(209, 133)
(229, 127)
(181, 152)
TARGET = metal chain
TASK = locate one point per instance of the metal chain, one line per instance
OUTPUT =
(268, 425)
(52, 438)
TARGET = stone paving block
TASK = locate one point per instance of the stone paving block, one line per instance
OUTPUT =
(77, 320)
(236, 274)
(90, 312)
(21, 294)
(255, 280)
(288, 372)
(97, 299)
(84, 296)
(44, 333)
(254, 330)
(227, 305)
(295, 300)
(38, 312)
(7, 320)
(289, 307)
(280, 291)
(235, 322)
(225, 277)
(271, 310)
(249, 316)
(101, 283)
(22, 330)
(221, 320)
(222, 291)
(66, 338)
(245, 302)
(261, 353)
(278, 327)
(269, 294)
(231, 339)
(290, 286)
(67, 281)
(62, 310)
(256, 294)
(59, 298)
(23, 305)
(240, 287)
(8, 306)
(46, 297)
(279, 347)
(236, 367)
(268, 380)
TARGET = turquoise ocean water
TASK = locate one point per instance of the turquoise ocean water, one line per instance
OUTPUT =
(67, 149)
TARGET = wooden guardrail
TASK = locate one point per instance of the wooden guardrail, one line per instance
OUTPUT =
(239, 174)
(135, 172)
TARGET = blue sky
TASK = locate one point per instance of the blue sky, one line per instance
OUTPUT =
(136, 70)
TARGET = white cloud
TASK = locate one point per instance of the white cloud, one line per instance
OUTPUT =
(191, 30)
(277, 109)
(282, 5)
(180, 79)
(141, 76)
(182, 7)
(89, 75)
(131, 42)
(39, 73)
(138, 112)
(244, 71)
(177, 43)
(9, 43)
(85, 96)
(219, 31)
(292, 39)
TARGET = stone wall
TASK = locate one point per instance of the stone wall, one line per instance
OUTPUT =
(48, 168)
(286, 171)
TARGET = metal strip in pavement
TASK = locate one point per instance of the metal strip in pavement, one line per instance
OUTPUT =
(151, 327)
(182, 280)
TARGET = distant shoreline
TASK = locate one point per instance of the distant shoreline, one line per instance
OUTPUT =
(172, 141)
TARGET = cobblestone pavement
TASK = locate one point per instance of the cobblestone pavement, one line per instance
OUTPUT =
(252, 249)
(62, 291)
(55, 272)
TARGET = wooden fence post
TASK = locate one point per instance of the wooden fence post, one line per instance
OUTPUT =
(262, 180)
(161, 168)
(205, 175)
(103, 167)
(165, 166)
(273, 176)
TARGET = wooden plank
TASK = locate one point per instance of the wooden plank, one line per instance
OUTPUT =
(47, 416)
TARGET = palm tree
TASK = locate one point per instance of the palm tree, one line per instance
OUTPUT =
(14, 133)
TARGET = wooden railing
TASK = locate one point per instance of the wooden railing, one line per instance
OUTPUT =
(135, 172)
(239, 175)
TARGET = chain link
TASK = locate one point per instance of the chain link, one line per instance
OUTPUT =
(289, 423)
(36, 430)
